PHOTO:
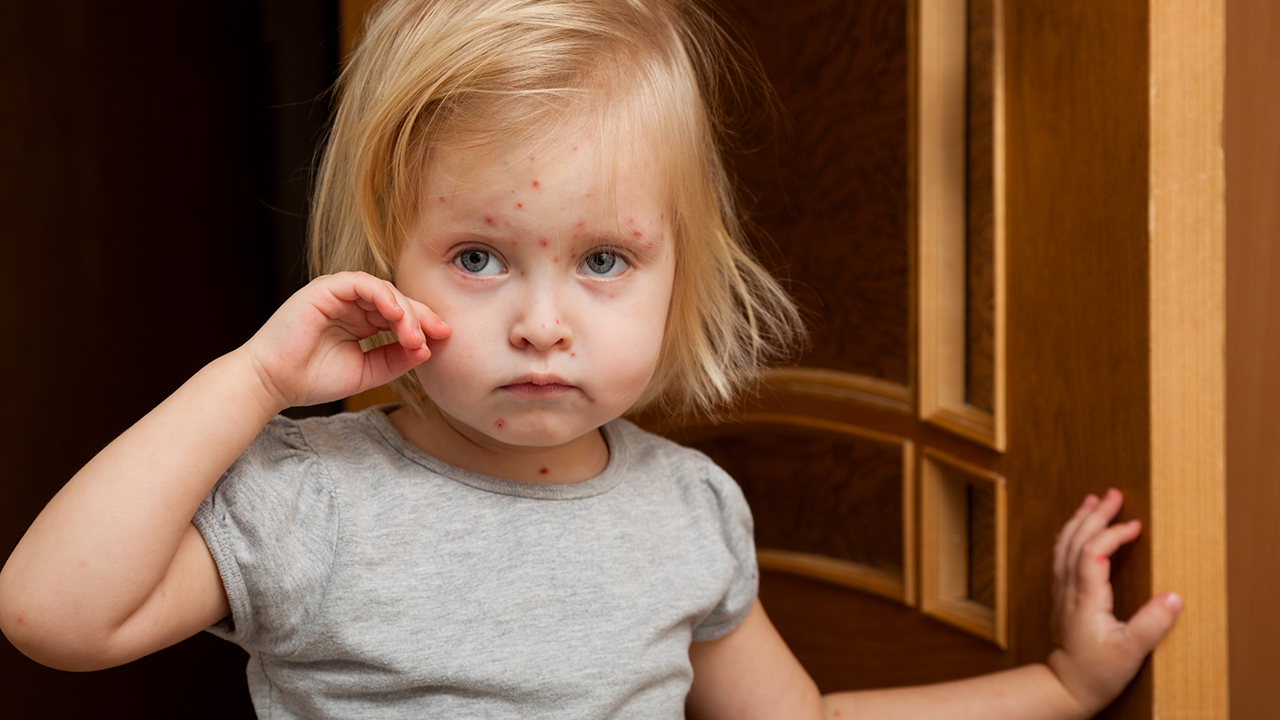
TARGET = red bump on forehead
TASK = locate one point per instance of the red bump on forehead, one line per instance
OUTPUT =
(488, 219)
(536, 183)
(542, 242)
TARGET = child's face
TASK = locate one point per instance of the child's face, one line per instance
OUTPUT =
(557, 298)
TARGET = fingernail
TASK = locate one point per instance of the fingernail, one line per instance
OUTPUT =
(1173, 602)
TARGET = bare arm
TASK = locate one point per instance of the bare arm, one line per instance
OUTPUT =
(750, 673)
(112, 568)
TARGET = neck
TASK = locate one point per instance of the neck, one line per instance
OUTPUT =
(451, 441)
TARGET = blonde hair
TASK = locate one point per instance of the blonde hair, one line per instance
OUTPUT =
(429, 73)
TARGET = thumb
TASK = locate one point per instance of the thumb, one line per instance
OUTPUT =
(1153, 621)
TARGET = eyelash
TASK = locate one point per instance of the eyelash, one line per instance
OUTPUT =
(492, 257)
(618, 254)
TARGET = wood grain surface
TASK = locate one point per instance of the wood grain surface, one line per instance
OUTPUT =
(1253, 355)
(1188, 331)
(831, 190)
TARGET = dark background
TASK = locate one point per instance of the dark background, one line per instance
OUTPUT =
(154, 166)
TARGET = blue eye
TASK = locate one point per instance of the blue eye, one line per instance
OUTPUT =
(476, 261)
(603, 263)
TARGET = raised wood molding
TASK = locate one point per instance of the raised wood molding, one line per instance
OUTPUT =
(944, 549)
(838, 385)
(1187, 324)
(939, 145)
(837, 572)
(847, 574)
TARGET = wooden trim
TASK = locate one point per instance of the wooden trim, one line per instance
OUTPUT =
(837, 572)
(910, 571)
(834, 384)
(1000, 433)
(374, 396)
(1187, 325)
(939, 145)
(351, 15)
(944, 550)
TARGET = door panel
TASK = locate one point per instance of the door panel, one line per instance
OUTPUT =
(1004, 222)
(1051, 213)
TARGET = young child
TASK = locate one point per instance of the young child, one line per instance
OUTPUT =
(528, 196)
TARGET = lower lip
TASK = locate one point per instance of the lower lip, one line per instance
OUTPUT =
(531, 391)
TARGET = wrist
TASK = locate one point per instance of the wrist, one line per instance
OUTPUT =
(1060, 667)
(252, 381)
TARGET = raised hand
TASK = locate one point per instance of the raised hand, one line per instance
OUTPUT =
(309, 351)
(1096, 654)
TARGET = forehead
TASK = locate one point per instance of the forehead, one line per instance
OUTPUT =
(584, 160)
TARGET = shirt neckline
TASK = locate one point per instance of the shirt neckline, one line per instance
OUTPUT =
(612, 475)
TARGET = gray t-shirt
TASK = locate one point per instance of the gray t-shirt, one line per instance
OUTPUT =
(368, 579)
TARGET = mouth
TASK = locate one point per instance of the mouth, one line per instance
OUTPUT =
(535, 387)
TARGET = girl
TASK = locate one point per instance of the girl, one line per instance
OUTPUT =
(527, 198)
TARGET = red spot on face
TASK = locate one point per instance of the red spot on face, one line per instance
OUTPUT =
(613, 296)
(542, 242)
(521, 273)
(441, 198)
(499, 424)
(488, 219)
(543, 471)
(637, 234)
(1101, 559)
(519, 205)
(557, 321)
(20, 618)
(588, 195)
(593, 400)
(581, 223)
(575, 147)
(536, 183)
(573, 354)
(555, 259)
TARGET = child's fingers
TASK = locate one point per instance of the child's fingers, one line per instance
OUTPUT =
(1096, 522)
(1152, 622)
(371, 294)
(407, 326)
(388, 362)
(1063, 543)
(428, 321)
(1095, 563)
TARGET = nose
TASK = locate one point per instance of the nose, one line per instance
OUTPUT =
(540, 324)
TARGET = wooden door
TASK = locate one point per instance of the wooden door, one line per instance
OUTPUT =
(1006, 223)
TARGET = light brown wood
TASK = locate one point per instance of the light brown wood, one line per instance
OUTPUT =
(837, 572)
(377, 396)
(944, 550)
(1252, 144)
(842, 385)
(1188, 313)
(940, 146)
(351, 14)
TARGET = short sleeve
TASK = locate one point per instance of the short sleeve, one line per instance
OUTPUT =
(271, 524)
(737, 533)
